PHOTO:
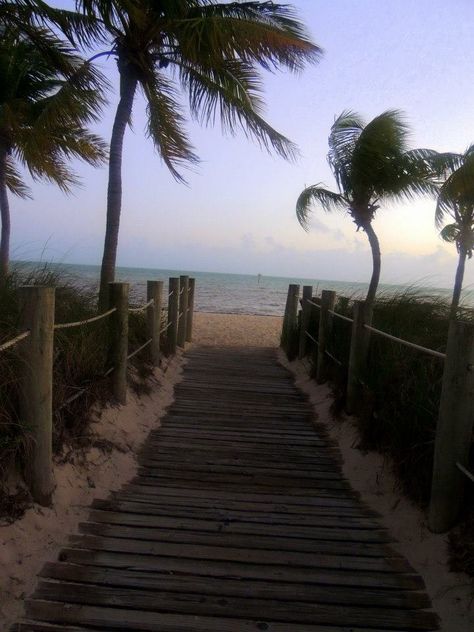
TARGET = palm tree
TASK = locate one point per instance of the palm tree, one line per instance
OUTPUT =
(43, 114)
(212, 51)
(456, 202)
(371, 164)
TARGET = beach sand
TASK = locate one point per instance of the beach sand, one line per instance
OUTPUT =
(38, 536)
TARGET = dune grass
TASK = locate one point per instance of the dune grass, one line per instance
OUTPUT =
(80, 361)
(401, 393)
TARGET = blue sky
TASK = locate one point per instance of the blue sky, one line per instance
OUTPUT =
(237, 212)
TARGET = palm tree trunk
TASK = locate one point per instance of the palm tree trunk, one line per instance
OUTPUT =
(128, 86)
(376, 263)
(458, 283)
(5, 216)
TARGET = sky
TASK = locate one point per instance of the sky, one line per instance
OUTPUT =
(237, 212)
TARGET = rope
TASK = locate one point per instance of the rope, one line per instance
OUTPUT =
(311, 337)
(86, 321)
(72, 398)
(313, 303)
(134, 353)
(171, 293)
(412, 345)
(179, 315)
(14, 341)
(181, 290)
(165, 327)
(142, 308)
(341, 316)
(332, 357)
(462, 469)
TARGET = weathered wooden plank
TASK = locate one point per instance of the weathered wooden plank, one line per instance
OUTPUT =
(223, 538)
(123, 619)
(230, 554)
(236, 515)
(157, 498)
(254, 495)
(320, 593)
(239, 570)
(268, 609)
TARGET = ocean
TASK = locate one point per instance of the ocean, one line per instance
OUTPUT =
(230, 293)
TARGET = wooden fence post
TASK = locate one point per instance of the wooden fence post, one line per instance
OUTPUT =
(183, 309)
(328, 300)
(305, 314)
(37, 388)
(190, 318)
(154, 290)
(173, 312)
(289, 334)
(454, 428)
(118, 298)
(360, 338)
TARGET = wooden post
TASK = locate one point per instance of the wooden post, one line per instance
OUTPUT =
(360, 338)
(328, 300)
(118, 298)
(154, 290)
(183, 309)
(454, 429)
(305, 314)
(289, 336)
(36, 401)
(173, 311)
(190, 318)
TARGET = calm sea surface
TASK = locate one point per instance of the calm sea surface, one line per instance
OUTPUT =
(229, 293)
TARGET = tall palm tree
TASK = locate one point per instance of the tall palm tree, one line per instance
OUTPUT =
(371, 164)
(213, 52)
(456, 202)
(43, 115)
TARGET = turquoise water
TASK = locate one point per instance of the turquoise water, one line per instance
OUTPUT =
(229, 293)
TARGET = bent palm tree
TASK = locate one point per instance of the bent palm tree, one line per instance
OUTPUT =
(213, 51)
(42, 118)
(371, 164)
(456, 202)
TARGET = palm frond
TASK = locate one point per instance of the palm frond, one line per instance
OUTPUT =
(15, 182)
(328, 200)
(343, 137)
(456, 196)
(231, 94)
(266, 33)
(165, 123)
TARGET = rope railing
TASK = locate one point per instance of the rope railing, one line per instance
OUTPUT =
(86, 321)
(163, 329)
(142, 308)
(333, 358)
(170, 294)
(406, 343)
(465, 471)
(311, 337)
(341, 316)
(134, 353)
(14, 341)
(313, 303)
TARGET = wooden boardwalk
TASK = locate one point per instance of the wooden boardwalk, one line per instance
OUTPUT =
(239, 520)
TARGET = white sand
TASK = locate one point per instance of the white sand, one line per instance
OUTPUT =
(452, 594)
(41, 532)
(237, 330)
(38, 536)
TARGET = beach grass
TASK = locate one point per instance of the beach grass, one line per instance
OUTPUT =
(80, 361)
(401, 391)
